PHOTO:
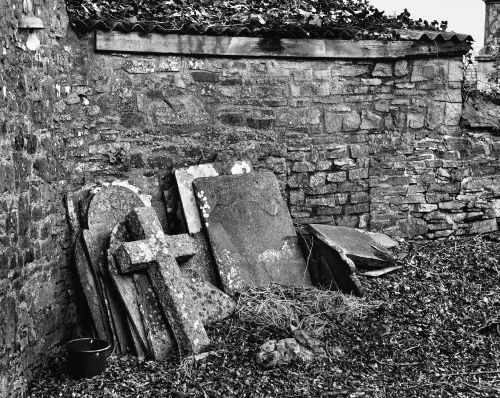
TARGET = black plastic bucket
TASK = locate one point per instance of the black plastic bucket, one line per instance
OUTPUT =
(87, 357)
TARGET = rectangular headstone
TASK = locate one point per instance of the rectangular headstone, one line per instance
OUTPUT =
(185, 178)
(250, 231)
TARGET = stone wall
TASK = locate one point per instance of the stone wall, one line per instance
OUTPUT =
(365, 144)
(492, 23)
(36, 306)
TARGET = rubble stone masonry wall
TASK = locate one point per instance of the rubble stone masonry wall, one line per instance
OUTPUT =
(36, 300)
(374, 145)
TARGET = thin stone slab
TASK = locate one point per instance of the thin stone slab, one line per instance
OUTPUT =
(250, 231)
(90, 290)
(111, 204)
(150, 328)
(331, 268)
(200, 267)
(108, 205)
(96, 243)
(185, 178)
(358, 245)
(166, 279)
(209, 303)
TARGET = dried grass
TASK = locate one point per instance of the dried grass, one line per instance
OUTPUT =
(283, 307)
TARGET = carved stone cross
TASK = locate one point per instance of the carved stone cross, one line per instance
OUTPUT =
(156, 253)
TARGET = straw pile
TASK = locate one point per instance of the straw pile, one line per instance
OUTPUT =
(284, 307)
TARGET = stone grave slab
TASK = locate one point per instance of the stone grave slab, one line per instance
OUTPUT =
(108, 205)
(331, 268)
(111, 204)
(358, 245)
(209, 302)
(144, 313)
(150, 246)
(250, 231)
(185, 178)
(90, 291)
(200, 267)
(96, 243)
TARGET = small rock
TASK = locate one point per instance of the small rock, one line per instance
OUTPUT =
(275, 353)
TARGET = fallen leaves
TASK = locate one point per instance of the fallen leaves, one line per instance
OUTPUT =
(423, 341)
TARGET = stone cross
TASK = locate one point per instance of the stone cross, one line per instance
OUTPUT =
(156, 253)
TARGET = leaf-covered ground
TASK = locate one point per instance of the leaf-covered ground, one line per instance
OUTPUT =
(344, 19)
(435, 333)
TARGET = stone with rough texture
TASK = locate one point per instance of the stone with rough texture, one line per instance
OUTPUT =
(96, 244)
(283, 352)
(111, 204)
(330, 267)
(358, 245)
(166, 279)
(147, 325)
(210, 303)
(250, 231)
(185, 178)
(200, 267)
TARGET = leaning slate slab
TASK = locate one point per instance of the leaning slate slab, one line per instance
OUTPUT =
(358, 245)
(185, 178)
(330, 267)
(109, 204)
(250, 231)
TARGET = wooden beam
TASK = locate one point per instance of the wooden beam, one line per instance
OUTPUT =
(155, 43)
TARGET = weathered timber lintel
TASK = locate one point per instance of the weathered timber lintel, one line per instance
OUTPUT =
(155, 43)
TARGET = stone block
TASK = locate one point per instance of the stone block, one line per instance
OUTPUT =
(412, 227)
(323, 165)
(359, 197)
(205, 76)
(333, 122)
(339, 176)
(417, 74)
(401, 68)
(452, 114)
(382, 70)
(456, 71)
(359, 150)
(299, 180)
(303, 167)
(370, 120)
(485, 226)
(351, 121)
(452, 205)
(358, 174)
(296, 197)
(425, 207)
(327, 201)
(382, 106)
(344, 163)
(317, 179)
(435, 115)
(371, 82)
(496, 208)
(415, 121)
